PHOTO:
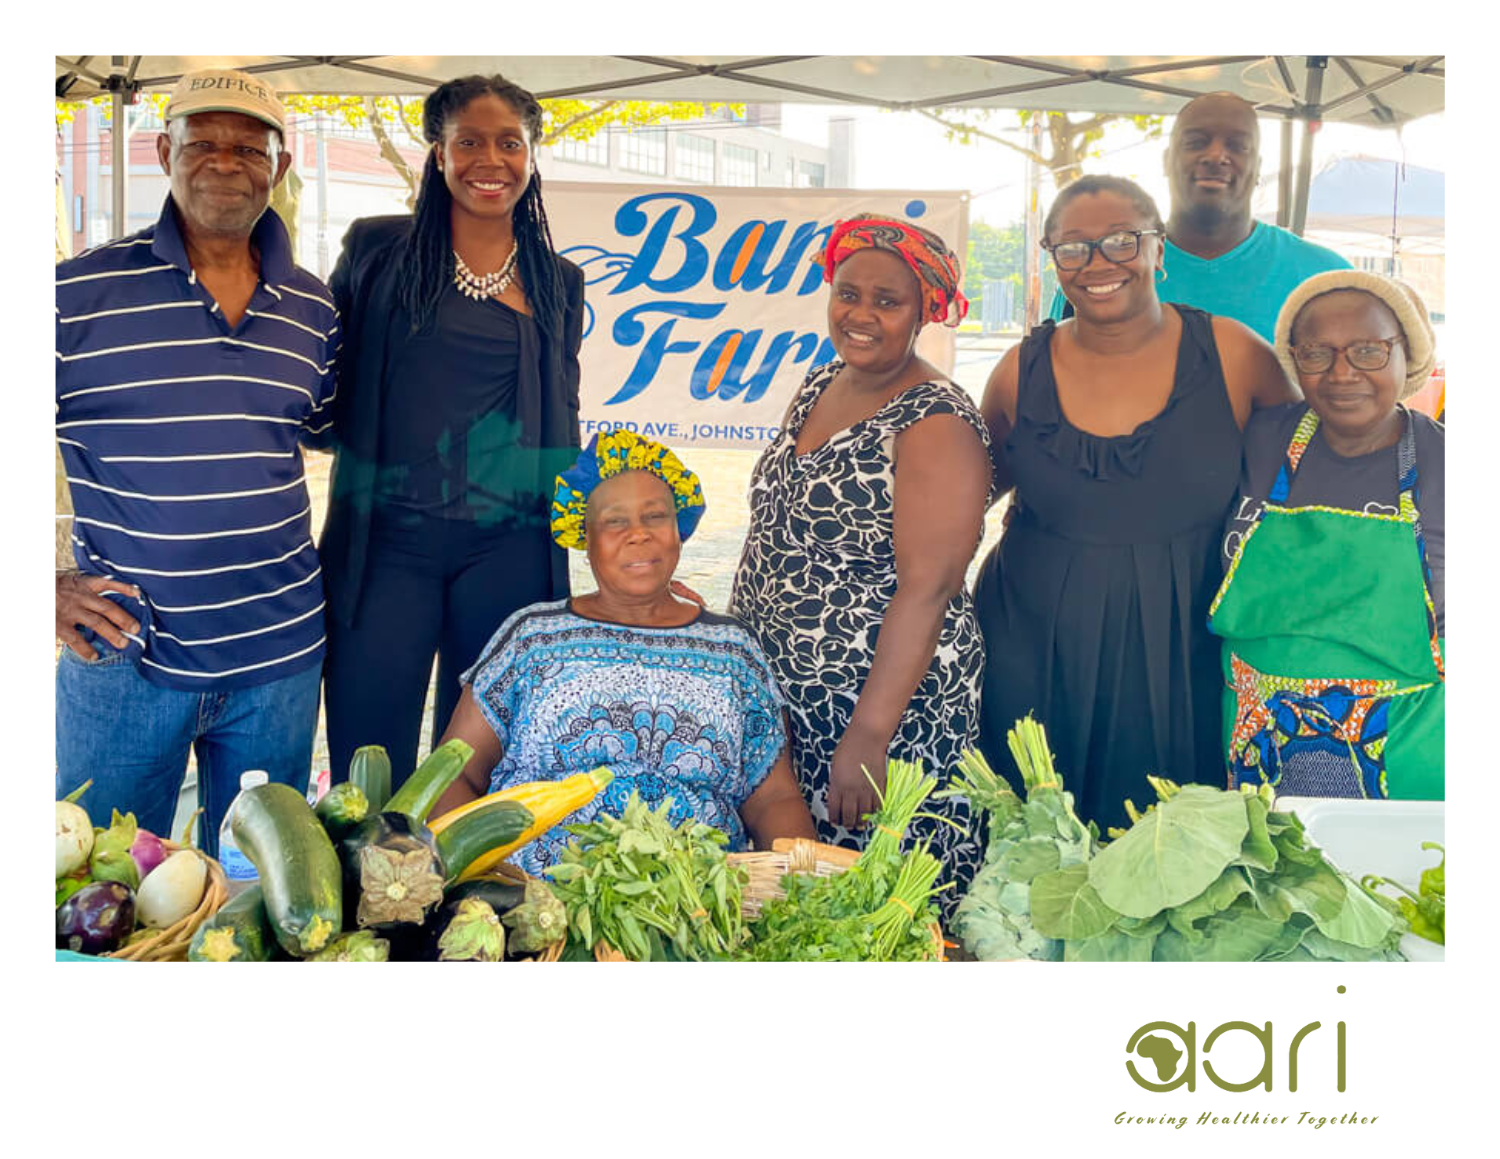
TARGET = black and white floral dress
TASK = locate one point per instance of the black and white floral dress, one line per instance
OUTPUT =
(816, 576)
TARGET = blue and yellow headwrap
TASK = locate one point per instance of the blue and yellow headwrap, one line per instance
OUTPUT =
(608, 455)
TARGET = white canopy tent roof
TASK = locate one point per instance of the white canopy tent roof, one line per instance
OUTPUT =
(1369, 90)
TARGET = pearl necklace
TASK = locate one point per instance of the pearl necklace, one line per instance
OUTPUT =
(479, 286)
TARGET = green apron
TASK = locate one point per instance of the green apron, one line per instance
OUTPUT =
(1333, 667)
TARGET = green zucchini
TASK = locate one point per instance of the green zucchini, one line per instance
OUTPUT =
(430, 781)
(342, 808)
(370, 769)
(237, 933)
(476, 833)
(300, 877)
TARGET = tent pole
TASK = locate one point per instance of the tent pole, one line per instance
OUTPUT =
(1284, 175)
(119, 154)
(1316, 65)
(1031, 307)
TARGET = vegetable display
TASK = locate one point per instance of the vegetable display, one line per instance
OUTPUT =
(120, 886)
(878, 910)
(1205, 874)
(649, 889)
(1423, 910)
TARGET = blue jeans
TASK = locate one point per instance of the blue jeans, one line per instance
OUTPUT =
(132, 738)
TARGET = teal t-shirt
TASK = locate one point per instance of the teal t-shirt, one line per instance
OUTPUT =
(1249, 283)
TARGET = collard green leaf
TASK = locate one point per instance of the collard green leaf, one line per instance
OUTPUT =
(1028, 858)
(1223, 893)
(1360, 922)
(1326, 949)
(1142, 927)
(1258, 849)
(1109, 947)
(1237, 934)
(1065, 905)
(1172, 854)
(1315, 890)
(1288, 943)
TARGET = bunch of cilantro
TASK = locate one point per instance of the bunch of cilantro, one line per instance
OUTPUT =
(878, 910)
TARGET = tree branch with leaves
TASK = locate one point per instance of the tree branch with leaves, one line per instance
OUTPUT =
(1068, 142)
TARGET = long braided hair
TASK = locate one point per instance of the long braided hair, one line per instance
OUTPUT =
(427, 259)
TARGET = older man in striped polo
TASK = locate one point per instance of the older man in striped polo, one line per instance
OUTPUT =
(192, 359)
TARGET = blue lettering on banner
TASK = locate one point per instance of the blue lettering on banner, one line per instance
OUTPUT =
(754, 274)
(631, 220)
(672, 258)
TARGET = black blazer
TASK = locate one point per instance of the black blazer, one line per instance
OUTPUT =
(364, 287)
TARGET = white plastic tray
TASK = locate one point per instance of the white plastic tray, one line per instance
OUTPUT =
(1382, 837)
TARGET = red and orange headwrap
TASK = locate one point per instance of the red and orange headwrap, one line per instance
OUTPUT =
(928, 256)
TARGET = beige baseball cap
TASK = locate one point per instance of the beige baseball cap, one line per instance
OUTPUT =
(226, 90)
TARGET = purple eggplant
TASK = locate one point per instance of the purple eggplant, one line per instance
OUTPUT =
(97, 919)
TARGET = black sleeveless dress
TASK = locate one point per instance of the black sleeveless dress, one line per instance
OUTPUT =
(1094, 605)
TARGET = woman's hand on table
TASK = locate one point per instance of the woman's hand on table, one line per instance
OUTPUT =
(850, 793)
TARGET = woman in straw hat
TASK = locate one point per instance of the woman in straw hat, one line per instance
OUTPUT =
(679, 702)
(1332, 605)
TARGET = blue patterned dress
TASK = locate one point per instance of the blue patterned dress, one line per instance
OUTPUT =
(690, 713)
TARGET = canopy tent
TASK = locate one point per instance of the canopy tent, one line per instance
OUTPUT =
(1370, 90)
(1370, 195)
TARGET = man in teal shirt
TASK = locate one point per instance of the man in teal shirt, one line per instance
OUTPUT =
(1217, 256)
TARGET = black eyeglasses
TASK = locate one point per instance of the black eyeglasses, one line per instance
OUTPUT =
(1366, 354)
(1118, 247)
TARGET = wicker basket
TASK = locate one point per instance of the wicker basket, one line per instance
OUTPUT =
(765, 869)
(171, 944)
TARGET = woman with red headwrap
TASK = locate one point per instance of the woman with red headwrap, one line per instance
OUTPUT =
(865, 513)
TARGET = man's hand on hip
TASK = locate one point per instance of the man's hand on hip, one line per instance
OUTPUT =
(81, 604)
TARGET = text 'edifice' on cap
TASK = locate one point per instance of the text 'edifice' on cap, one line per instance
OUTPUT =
(226, 90)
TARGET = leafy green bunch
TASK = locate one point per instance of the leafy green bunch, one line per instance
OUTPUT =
(1210, 874)
(1026, 838)
(878, 910)
(652, 890)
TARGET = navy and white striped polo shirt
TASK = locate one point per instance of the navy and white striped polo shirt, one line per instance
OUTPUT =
(180, 438)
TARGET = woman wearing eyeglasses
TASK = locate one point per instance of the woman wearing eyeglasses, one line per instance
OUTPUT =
(1120, 430)
(1332, 603)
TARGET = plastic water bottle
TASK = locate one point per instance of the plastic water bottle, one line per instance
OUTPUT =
(238, 868)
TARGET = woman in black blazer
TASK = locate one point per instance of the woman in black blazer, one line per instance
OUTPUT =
(457, 406)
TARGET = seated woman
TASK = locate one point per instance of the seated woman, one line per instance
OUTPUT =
(677, 701)
(1332, 606)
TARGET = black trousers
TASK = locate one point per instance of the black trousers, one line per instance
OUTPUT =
(432, 588)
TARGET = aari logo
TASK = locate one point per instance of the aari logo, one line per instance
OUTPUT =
(1176, 1062)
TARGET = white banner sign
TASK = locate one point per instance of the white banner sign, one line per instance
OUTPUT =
(704, 310)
